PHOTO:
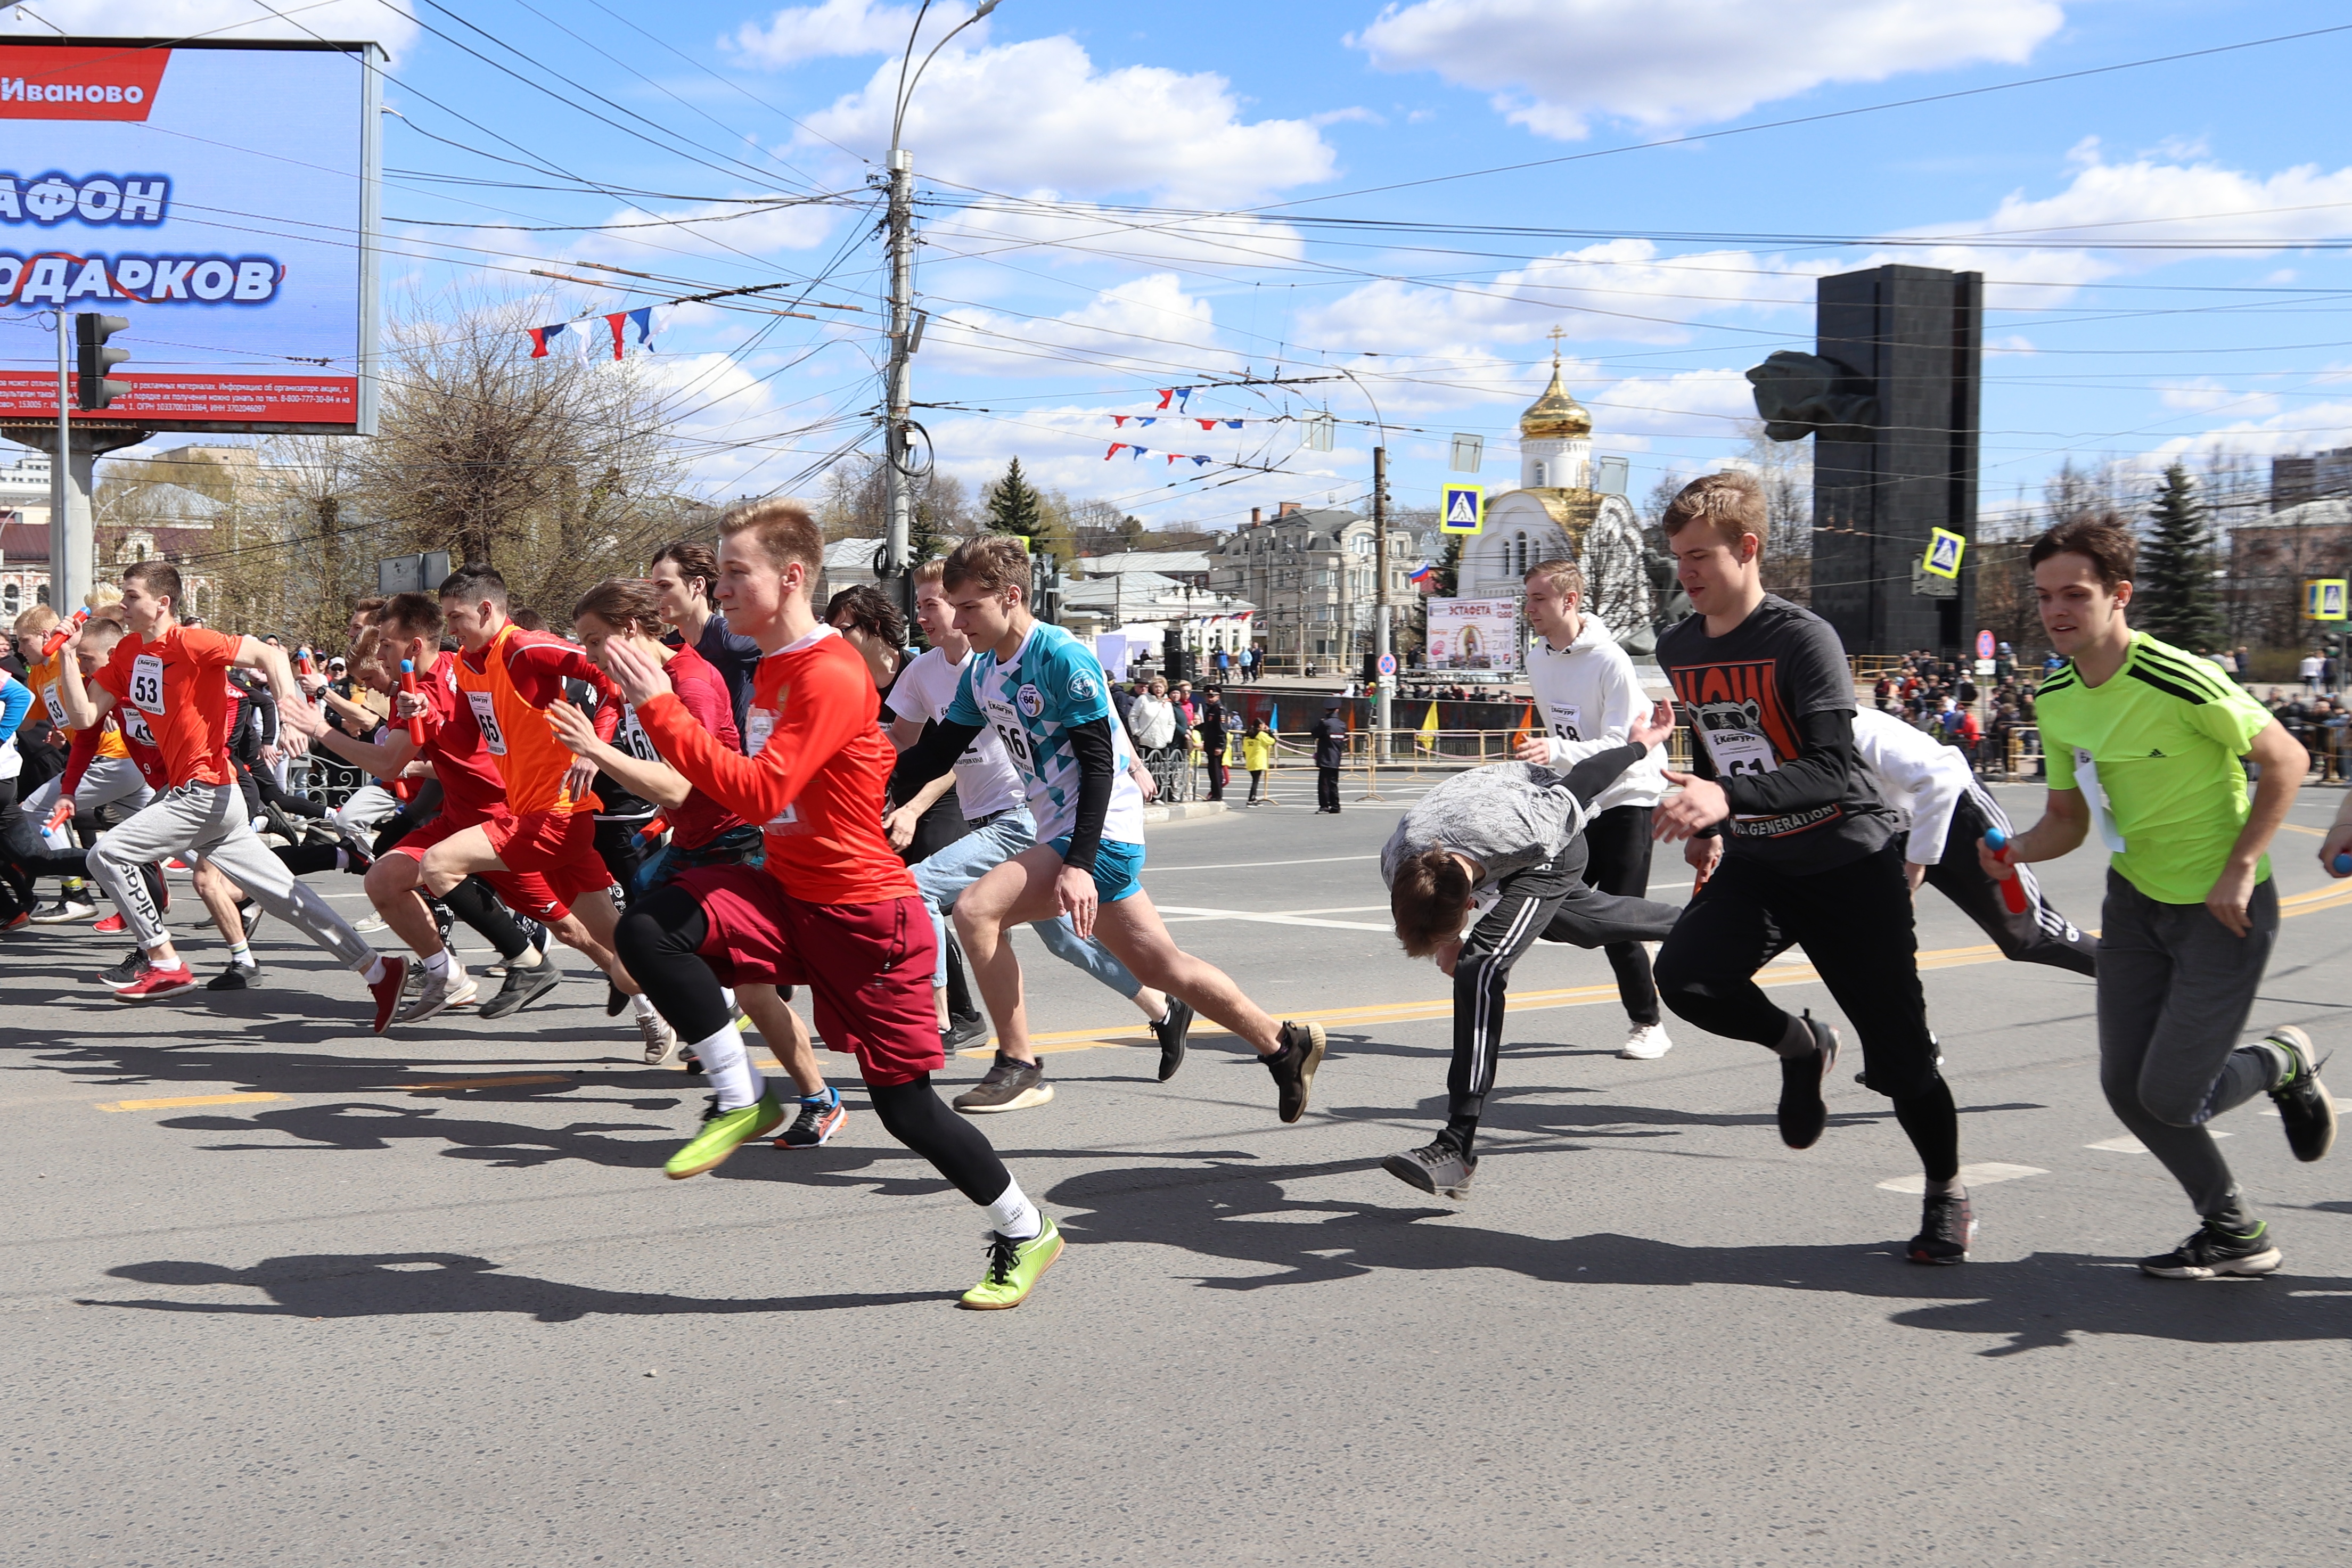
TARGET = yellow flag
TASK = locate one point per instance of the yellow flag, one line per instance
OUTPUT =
(1427, 740)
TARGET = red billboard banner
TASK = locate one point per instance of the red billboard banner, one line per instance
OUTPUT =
(322, 400)
(61, 82)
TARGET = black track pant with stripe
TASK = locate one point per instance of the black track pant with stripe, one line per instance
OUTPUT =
(1548, 901)
(2040, 934)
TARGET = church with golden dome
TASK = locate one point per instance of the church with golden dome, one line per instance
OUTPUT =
(1559, 510)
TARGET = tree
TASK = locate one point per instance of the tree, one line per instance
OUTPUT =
(1014, 504)
(2174, 597)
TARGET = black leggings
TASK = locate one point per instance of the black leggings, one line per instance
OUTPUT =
(658, 940)
(1617, 844)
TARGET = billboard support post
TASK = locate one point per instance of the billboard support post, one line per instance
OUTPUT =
(69, 547)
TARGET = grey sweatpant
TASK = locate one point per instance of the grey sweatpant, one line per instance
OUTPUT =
(2175, 988)
(208, 821)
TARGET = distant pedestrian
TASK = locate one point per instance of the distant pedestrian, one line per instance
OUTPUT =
(1330, 753)
(1213, 724)
(1257, 755)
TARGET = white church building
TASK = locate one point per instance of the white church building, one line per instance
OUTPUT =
(1557, 512)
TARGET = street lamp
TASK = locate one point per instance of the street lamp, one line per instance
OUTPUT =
(898, 391)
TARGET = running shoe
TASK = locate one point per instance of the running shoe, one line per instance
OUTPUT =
(156, 983)
(368, 927)
(1647, 1042)
(1803, 1113)
(1170, 1031)
(687, 1061)
(2306, 1110)
(454, 989)
(2212, 1249)
(113, 925)
(615, 1001)
(1436, 1167)
(724, 1132)
(134, 964)
(1010, 1085)
(64, 912)
(177, 864)
(1014, 1268)
(251, 913)
(963, 1031)
(1947, 1229)
(535, 934)
(236, 977)
(387, 991)
(661, 1041)
(819, 1120)
(522, 987)
(17, 921)
(358, 853)
(1294, 1067)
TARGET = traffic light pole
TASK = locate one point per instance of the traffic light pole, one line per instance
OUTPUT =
(73, 463)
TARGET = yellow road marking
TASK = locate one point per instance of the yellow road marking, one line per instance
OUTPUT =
(183, 1100)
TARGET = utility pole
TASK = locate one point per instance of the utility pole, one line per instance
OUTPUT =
(70, 548)
(897, 568)
(1380, 593)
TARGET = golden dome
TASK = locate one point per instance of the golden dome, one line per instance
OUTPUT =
(1556, 415)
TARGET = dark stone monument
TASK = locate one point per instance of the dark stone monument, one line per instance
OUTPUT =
(1890, 397)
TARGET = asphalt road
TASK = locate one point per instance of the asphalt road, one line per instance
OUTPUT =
(278, 1291)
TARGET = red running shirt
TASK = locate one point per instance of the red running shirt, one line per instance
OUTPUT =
(698, 819)
(816, 776)
(179, 684)
(471, 789)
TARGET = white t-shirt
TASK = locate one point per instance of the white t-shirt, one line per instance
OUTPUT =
(986, 780)
(1588, 699)
(1921, 777)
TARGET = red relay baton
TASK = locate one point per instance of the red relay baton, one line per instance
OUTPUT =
(2013, 890)
(66, 628)
(408, 683)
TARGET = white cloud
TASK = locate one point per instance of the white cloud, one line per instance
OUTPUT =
(2314, 426)
(2204, 394)
(1554, 66)
(1037, 113)
(386, 21)
(1146, 327)
(839, 27)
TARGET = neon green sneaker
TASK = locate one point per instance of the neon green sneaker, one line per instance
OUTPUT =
(724, 1132)
(1013, 1269)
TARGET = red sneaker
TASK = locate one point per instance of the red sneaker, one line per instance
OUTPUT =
(158, 983)
(175, 863)
(110, 926)
(16, 922)
(387, 991)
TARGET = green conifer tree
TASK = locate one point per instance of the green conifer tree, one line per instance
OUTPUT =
(2174, 597)
(1014, 506)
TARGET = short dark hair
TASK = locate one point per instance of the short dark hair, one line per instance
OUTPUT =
(369, 605)
(625, 603)
(1428, 899)
(530, 620)
(693, 560)
(2107, 546)
(418, 614)
(472, 584)
(993, 561)
(160, 577)
(1731, 500)
(870, 610)
(785, 529)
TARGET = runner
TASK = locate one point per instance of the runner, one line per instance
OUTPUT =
(702, 832)
(2144, 745)
(1044, 696)
(832, 908)
(687, 575)
(409, 629)
(1947, 811)
(507, 677)
(106, 778)
(176, 679)
(1590, 700)
(1514, 833)
(1795, 846)
(996, 815)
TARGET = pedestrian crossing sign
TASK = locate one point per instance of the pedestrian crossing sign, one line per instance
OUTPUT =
(2323, 599)
(1462, 508)
(1943, 550)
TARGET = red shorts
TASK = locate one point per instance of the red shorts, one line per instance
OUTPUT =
(868, 965)
(543, 891)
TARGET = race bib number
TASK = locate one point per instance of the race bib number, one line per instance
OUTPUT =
(486, 715)
(759, 723)
(1012, 732)
(1740, 753)
(634, 739)
(147, 684)
(134, 725)
(56, 708)
(1567, 722)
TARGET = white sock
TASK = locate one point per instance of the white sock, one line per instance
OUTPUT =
(373, 973)
(1013, 1216)
(241, 955)
(437, 964)
(729, 1068)
(643, 1006)
(728, 992)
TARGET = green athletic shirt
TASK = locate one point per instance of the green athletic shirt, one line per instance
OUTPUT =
(2166, 733)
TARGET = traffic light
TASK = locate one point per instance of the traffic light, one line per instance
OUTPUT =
(91, 389)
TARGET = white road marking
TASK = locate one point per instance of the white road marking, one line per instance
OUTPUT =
(1971, 1175)
(1253, 865)
(1273, 917)
(2127, 1145)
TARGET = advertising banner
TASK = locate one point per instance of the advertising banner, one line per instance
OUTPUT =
(1474, 634)
(221, 198)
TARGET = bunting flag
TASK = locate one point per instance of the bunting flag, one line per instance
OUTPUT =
(1115, 448)
(1176, 457)
(622, 322)
(1420, 572)
(1119, 420)
(1181, 395)
(562, 336)
(1212, 424)
(1427, 739)
(599, 337)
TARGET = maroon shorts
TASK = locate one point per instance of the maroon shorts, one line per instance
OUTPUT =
(868, 965)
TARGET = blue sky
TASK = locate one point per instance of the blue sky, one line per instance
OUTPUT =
(2154, 238)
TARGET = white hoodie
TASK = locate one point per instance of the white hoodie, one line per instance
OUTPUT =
(1919, 774)
(1589, 700)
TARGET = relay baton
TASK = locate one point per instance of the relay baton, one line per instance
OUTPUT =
(2013, 890)
(408, 683)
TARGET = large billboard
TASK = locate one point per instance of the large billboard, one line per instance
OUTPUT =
(221, 198)
(1474, 633)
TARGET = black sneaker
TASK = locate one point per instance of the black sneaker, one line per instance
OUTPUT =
(359, 854)
(818, 1121)
(1294, 1067)
(1170, 1032)
(1804, 1115)
(1010, 1085)
(236, 977)
(522, 987)
(126, 973)
(1434, 1167)
(2306, 1110)
(251, 914)
(1947, 1229)
(2214, 1249)
(963, 1031)
(617, 1001)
